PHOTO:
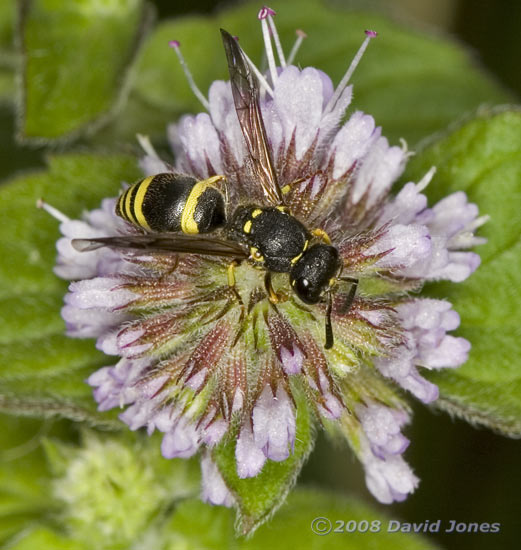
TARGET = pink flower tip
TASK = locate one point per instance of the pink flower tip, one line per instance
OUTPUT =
(265, 12)
(371, 34)
(174, 43)
(300, 33)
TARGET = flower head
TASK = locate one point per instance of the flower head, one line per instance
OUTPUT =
(205, 351)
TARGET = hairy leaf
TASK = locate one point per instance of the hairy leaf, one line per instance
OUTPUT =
(483, 158)
(76, 56)
(44, 371)
(260, 496)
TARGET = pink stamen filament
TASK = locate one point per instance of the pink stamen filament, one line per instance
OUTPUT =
(176, 47)
(345, 80)
(269, 51)
(276, 38)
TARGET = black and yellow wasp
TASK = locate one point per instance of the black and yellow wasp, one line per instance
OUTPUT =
(176, 210)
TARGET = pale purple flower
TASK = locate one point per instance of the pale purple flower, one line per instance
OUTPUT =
(186, 370)
(381, 444)
(214, 489)
(274, 424)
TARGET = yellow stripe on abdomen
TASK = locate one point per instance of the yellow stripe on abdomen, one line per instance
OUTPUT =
(188, 223)
(126, 209)
(138, 202)
(119, 206)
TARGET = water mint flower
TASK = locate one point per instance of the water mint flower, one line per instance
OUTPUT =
(196, 366)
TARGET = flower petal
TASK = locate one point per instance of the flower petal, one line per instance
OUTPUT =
(274, 424)
(213, 488)
(250, 458)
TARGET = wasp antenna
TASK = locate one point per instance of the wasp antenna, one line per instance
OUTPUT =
(329, 329)
(351, 296)
(85, 245)
(348, 279)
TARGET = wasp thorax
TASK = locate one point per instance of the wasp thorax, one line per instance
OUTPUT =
(275, 237)
(312, 274)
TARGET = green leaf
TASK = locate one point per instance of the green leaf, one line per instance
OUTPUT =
(483, 158)
(402, 72)
(368, 529)
(7, 55)
(260, 496)
(196, 525)
(76, 59)
(44, 371)
(7, 23)
(44, 538)
(6, 85)
(23, 484)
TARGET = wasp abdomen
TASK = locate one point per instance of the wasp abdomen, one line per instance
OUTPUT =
(173, 202)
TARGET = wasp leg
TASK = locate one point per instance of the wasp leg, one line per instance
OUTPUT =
(287, 188)
(231, 283)
(171, 268)
(321, 234)
(273, 296)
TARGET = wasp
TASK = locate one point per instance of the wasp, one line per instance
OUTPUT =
(177, 212)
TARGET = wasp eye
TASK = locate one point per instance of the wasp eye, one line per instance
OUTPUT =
(308, 293)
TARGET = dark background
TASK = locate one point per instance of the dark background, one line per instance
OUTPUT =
(467, 474)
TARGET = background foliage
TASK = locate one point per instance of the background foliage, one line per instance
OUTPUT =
(77, 81)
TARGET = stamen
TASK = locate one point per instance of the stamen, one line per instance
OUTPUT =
(263, 14)
(260, 77)
(144, 142)
(265, 11)
(276, 38)
(405, 148)
(422, 184)
(176, 46)
(343, 83)
(54, 212)
(300, 38)
(478, 222)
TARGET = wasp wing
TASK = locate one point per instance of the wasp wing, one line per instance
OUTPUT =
(245, 91)
(166, 242)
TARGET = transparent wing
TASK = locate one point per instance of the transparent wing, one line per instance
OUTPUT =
(245, 92)
(166, 242)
